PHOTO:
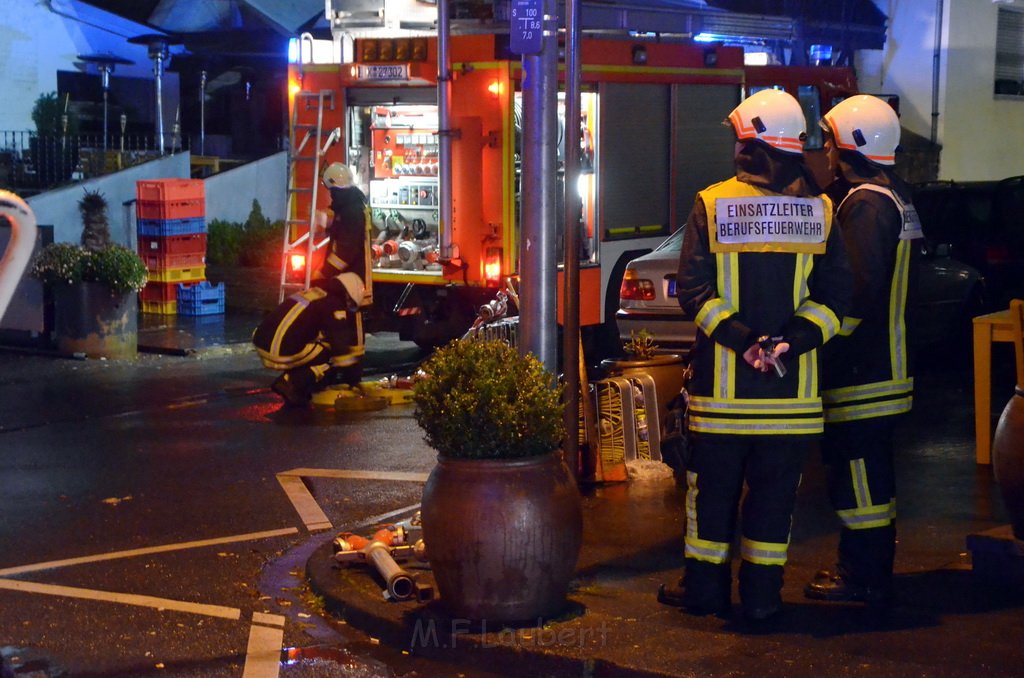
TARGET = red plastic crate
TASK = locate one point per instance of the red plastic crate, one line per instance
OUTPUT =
(169, 190)
(162, 262)
(190, 243)
(159, 292)
(183, 208)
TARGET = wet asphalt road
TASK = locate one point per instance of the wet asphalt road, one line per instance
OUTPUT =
(139, 461)
(99, 460)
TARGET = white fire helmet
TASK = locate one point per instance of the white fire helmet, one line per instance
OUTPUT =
(337, 175)
(772, 116)
(867, 125)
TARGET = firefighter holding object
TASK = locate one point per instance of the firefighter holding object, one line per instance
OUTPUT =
(866, 380)
(762, 271)
(316, 336)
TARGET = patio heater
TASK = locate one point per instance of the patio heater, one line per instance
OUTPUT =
(105, 64)
(158, 51)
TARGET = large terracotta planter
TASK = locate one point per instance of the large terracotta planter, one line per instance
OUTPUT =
(666, 370)
(92, 320)
(1008, 460)
(502, 536)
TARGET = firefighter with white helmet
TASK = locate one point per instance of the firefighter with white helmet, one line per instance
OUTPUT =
(763, 273)
(337, 175)
(316, 336)
(866, 372)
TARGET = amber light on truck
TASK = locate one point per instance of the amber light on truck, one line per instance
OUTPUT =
(635, 288)
(492, 265)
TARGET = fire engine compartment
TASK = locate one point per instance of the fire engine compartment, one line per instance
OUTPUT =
(403, 185)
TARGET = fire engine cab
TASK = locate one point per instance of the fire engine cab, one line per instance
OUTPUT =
(652, 136)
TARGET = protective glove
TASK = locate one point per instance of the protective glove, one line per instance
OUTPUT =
(765, 360)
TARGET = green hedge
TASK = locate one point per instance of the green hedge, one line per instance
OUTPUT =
(257, 242)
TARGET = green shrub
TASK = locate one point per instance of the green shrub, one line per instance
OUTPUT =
(262, 239)
(257, 242)
(482, 400)
(223, 242)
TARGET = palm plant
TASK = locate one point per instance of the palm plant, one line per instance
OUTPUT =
(95, 226)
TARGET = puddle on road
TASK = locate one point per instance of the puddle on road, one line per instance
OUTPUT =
(21, 662)
(339, 662)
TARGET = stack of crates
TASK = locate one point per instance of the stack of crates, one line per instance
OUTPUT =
(172, 241)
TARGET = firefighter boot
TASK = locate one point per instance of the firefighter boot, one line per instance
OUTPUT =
(295, 386)
(760, 591)
(864, 571)
(835, 587)
(704, 589)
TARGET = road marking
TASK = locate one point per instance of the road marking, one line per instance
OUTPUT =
(357, 475)
(305, 505)
(53, 564)
(266, 639)
(380, 518)
(313, 517)
(161, 604)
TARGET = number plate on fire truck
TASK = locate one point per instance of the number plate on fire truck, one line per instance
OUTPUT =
(384, 71)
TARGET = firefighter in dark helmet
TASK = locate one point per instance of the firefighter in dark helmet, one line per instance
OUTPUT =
(316, 336)
(866, 380)
(763, 273)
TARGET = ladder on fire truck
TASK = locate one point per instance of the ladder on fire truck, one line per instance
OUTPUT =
(307, 146)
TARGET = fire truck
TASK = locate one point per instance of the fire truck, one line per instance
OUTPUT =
(652, 136)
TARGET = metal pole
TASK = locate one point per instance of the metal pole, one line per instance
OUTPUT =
(571, 298)
(538, 313)
(444, 131)
(105, 81)
(936, 57)
(202, 113)
(157, 51)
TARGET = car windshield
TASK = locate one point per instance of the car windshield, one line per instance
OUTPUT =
(674, 242)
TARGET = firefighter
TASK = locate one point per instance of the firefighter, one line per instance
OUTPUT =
(763, 273)
(866, 379)
(316, 336)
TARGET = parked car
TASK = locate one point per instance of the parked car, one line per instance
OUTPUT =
(948, 294)
(979, 223)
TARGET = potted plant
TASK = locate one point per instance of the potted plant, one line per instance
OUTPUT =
(501, 512)
(667, 369)
(94, 287)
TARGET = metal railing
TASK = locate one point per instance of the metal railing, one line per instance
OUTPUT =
(31, 163)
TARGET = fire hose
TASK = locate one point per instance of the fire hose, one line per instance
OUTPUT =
(381, 551)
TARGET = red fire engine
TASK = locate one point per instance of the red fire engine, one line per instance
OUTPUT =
(651, 123)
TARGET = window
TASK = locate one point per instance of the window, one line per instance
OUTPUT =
(810, 101)
(1009, 53)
